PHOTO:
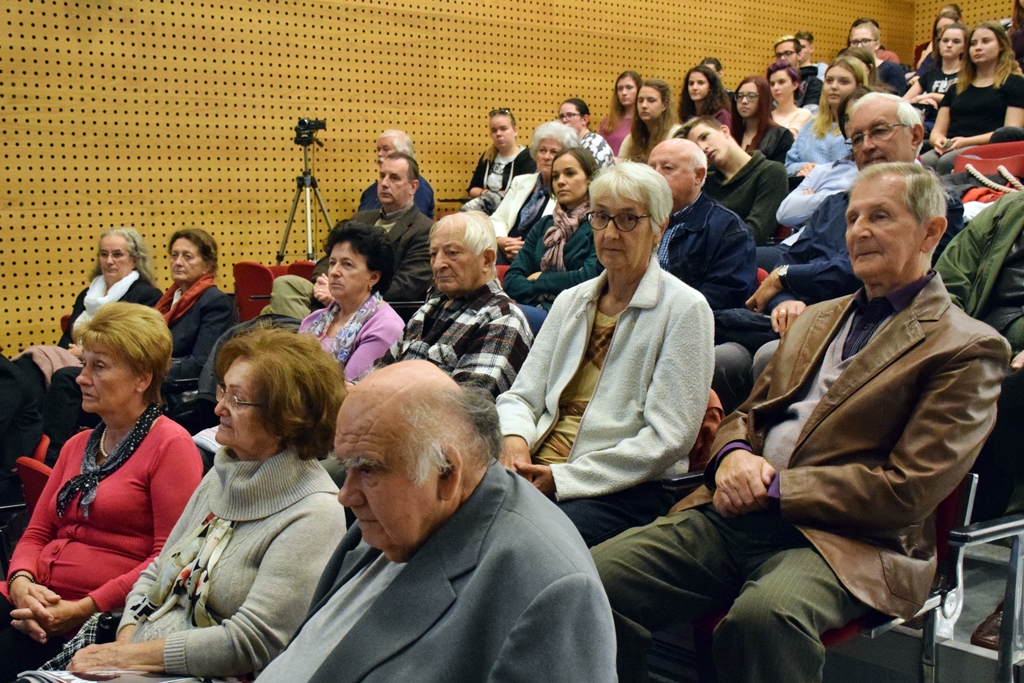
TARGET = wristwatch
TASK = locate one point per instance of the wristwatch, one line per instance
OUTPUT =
(783, 272)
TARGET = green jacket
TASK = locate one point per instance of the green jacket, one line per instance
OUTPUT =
(971, 263)
(581, 264)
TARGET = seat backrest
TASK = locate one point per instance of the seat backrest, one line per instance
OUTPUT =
(33, 475)
(303, 269)
(253, 284)
(953, 512)
(39, 454)
(501, 274)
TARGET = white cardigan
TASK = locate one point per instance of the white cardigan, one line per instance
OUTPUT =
(519, 190)
(650, 399)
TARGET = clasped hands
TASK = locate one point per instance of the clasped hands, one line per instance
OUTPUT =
(40, 613)
(783, 315)
(741, 483)
(515, 455)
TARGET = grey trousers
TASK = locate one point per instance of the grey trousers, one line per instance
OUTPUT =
(780, 593)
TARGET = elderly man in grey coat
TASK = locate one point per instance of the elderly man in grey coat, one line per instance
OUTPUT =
(457, 570)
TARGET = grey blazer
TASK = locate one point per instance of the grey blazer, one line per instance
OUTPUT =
(410, 238)
(505, 590)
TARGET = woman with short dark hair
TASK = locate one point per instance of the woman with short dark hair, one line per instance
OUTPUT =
(358, 327)
(784, 82)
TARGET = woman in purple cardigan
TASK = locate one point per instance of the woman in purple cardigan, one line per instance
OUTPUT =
(359, 326)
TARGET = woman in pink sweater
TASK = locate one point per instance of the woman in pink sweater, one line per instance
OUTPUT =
(113, 496)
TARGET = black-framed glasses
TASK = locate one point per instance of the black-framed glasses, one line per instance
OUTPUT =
(624, 222)
(861, 42)
(785, 55)
(876, 133)
(232, 401)
(569, 115)
(504, 111)
(746, 96)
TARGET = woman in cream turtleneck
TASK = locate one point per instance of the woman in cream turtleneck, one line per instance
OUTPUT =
(227, 592)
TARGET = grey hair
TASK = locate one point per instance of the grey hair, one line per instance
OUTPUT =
(459, 417)
(906, 113)
(403, 143)
(922, 191)
(477, 232)
(137, 249)
(633, 182)
(553, 130)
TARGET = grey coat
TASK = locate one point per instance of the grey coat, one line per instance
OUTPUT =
(505, 590)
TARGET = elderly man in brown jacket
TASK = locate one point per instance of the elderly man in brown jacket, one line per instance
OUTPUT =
(819, 504)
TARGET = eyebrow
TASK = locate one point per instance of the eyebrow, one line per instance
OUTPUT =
(349, 463)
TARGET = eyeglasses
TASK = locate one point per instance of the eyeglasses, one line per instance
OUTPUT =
(500, 112)
(861, 42)
(625, 222)
(231, 401)
(746, 96)
(877, 132)
(785, 55)
(116, 255)
(568, 116)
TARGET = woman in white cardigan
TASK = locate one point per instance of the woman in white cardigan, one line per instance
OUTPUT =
(528, 197)
(612, 395)
(234, 580)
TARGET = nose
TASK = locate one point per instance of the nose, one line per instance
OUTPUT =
(84, 377)
(350, 494)
(220, 410)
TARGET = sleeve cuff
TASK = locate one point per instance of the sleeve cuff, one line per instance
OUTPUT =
(174, 653)
(712, 466)
(800, 278)
(775, 492)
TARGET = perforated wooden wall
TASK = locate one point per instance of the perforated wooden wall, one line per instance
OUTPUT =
(974, 11)
(162, 114)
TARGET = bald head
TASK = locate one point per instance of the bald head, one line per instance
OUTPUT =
(683, 164)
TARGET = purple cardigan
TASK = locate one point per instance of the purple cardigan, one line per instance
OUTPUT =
(372, 341)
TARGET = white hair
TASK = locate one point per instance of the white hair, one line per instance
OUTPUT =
(477, 231)
(554, 130)
(633, 182)
(922, 191)
(906, 113)
(402, 142)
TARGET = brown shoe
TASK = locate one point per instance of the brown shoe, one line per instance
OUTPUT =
(987, 633)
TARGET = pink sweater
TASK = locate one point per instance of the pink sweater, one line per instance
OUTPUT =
(135, 509)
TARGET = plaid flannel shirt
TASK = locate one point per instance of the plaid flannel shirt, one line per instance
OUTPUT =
(481, 338)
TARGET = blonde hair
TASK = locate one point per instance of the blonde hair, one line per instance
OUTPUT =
(825, 121)
(134, 334)
(1006, 63)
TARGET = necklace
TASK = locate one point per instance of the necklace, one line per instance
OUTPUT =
(103, 437)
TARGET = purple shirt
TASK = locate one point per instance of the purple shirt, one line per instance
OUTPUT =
(371, 342)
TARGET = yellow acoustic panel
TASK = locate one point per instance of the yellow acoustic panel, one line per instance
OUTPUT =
(163, 114)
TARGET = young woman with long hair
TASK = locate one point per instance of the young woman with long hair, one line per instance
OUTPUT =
(752, 124)
(820, 140)
(784, 82)
(704, 95)
(653, 123)
(616, 126)
(927, 91)
(989, 95)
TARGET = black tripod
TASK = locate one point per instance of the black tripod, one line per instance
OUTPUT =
(306, 181)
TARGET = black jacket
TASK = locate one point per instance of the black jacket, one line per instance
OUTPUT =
(521, 165)
(138, 293)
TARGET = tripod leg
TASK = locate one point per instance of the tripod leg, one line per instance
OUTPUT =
(323, 209)
(309, 227)
(291, 219)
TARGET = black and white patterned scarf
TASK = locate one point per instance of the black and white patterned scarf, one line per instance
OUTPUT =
(86, 482)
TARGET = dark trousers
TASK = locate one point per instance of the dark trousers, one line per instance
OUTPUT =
(1001, 461)
(18, 652)
(780, 593)
(601, 518)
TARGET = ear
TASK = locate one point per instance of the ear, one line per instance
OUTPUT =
(725, 131)
(917, 135)
(489, 257)
(142, 382)
(415, 184)
(449, 483)
(934, 229)
(700, 174)
(374, 277)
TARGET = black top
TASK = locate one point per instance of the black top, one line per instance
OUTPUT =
(521, 165)
(977, 111)
(935, 81)
(776, 142)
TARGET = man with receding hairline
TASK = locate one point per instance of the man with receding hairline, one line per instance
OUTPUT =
(456, 569)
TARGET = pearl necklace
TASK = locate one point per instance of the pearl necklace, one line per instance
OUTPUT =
(103, 451)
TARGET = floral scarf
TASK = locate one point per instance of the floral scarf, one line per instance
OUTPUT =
(341, 347)
(185, 576)
(561, 231)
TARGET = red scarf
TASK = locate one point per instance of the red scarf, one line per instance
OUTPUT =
(173, 313)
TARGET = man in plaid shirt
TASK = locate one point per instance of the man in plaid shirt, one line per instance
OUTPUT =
(468, 326)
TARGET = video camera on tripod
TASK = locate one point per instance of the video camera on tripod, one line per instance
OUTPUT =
(305, 131)
(305, 135)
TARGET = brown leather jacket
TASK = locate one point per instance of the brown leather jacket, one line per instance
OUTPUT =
(895, 434)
